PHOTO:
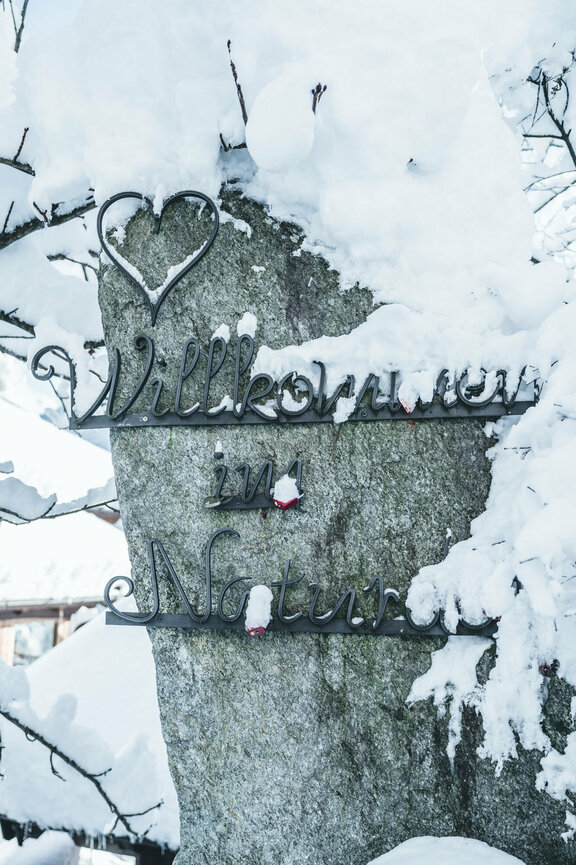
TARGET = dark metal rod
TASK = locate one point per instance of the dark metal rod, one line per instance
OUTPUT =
(227, 418)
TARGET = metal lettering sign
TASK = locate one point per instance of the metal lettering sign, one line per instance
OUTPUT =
(245, 398)
(309, 621)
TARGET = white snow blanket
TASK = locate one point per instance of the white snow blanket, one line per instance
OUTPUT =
(428, 850)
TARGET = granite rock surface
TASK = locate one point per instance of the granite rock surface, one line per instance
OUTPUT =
(293, 748)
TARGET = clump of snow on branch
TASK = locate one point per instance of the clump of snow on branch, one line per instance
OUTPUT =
(247, 325)
(451, 681)
(281, 124)
(53, 472)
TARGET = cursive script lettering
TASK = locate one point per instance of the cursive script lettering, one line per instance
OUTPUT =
(292, 399)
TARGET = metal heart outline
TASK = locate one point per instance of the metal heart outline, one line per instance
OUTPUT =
(180, 274)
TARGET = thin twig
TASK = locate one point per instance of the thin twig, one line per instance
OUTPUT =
(59, 256)
(547, 135)
(34, 224)
(87, 508)
(13, 18)
(228, 147)
(12, 319)
(60, 398)
(238, 87)
(54, 769)
(559, 124)
(43, 213)
(14, 354)
(19, 166)
(22, 140)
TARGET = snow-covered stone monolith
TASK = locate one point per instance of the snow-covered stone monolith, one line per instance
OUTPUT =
(297, 747)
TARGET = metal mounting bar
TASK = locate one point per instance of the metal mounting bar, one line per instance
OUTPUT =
(390, 628)
(433, 412)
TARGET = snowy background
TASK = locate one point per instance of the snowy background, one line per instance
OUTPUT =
(417, 175)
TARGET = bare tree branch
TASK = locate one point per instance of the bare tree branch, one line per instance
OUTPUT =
(107, 503)
(15, 162)
(22, 140)
(13, 18)
(228, 147)
(5, 350)
(34, 736)
(544, 178)
(43, 213)
(545, 135)
(552, 198)
(12, 319)
(56, 218)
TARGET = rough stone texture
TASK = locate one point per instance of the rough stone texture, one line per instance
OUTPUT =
(300, 748)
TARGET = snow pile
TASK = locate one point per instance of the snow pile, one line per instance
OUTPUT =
(285, 492)
(408, 179)
(258, 611)
(428, 850)
(70, 696)
(281, 127)
(53, 471)
(451, 681)
(52, 848)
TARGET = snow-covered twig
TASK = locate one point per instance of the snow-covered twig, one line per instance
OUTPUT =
(59, 256)
(28, 328)
(228, 147)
